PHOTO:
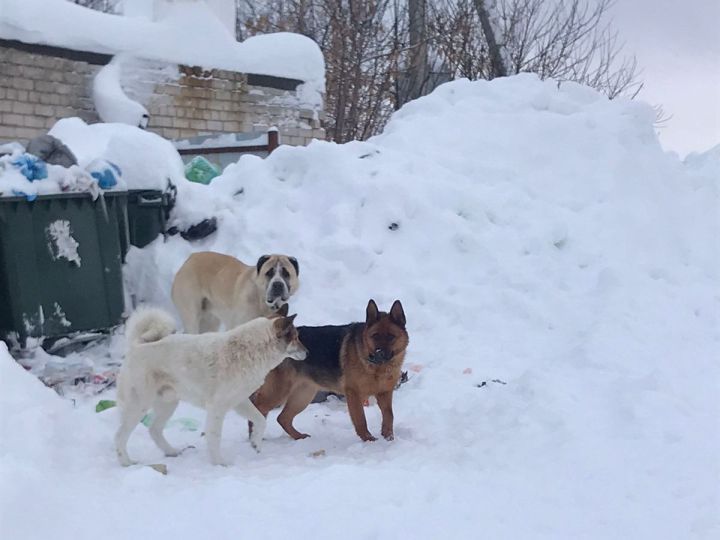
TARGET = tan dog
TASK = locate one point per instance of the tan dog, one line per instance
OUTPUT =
(212, 288)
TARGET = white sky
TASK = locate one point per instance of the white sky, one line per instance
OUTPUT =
(677, 44)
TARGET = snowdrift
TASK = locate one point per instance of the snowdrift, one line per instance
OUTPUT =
(538, 237)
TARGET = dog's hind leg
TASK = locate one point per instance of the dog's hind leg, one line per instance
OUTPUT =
(132, 412)
(299, 398)
(163, 411)
(256, 419)
(213, 432)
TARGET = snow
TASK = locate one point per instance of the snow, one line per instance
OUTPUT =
(61, 243)
(187, 33)
(147, 161)
(235, 140)
(111, 102)
(536, 235)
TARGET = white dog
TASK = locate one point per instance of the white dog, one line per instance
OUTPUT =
(216, 371)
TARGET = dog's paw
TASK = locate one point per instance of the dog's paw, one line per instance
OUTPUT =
(389, 436)
(367, 437)
(256, 446)
(221, 462)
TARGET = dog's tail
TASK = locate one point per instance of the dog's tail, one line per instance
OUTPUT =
(149, 324)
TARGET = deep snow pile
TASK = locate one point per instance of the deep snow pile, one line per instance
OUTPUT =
(535, 235)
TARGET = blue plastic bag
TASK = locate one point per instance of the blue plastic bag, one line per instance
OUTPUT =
(30, 167)
(28, 196)
(105, 172)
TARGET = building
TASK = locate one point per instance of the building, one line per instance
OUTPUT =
(178, 62)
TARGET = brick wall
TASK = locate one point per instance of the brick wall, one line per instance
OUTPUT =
(39, 85)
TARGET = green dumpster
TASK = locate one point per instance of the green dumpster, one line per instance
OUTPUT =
(60, 264)
(147, 213)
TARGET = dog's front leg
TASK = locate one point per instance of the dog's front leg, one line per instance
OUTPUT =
(251, 412)
(384, 400)
(213, 433)
(357, 415)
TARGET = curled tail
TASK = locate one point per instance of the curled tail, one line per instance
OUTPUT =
(149, 324)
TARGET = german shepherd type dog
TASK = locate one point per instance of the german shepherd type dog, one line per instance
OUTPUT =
(357, 360)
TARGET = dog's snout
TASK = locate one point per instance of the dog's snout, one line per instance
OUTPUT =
(277, 288)
(379, 356)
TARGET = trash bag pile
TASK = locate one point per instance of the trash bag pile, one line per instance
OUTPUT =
(47, 166)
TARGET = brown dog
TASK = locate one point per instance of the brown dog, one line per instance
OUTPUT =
(357, 360)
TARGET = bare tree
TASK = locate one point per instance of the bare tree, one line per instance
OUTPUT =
(560, 39)
(381, 53)
(487, 13)
(414, 78)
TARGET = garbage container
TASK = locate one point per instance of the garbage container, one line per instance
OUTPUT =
(147, 214)
(60, 264)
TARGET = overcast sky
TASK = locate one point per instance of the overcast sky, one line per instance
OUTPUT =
(677, 43)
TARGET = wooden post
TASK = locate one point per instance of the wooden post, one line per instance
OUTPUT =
(273, 139)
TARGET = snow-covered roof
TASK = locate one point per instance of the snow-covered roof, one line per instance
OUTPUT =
(188, 33)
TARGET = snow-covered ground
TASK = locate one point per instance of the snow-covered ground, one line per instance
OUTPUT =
(536, 236)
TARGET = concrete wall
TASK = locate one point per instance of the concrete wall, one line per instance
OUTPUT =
(39, 85)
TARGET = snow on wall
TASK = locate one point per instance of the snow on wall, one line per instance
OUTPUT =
(188, 33)
(111, 102)
(182, 101)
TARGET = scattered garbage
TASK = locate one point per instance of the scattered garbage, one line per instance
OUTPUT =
(185, 424)
(31, 167)
(52, 150)
(105, 172)
(485, 383)
(105, 404)
(200, 170)
(159, 467)
(195, 232)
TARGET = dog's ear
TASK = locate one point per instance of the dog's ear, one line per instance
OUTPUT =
(283, 325)
(283, 311)
(262, 260)
(371, 313)
(397, 314)
(295, 263)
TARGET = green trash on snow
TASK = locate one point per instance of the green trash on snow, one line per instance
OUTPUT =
(185, 424)
(201, 170)
(105, 404)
